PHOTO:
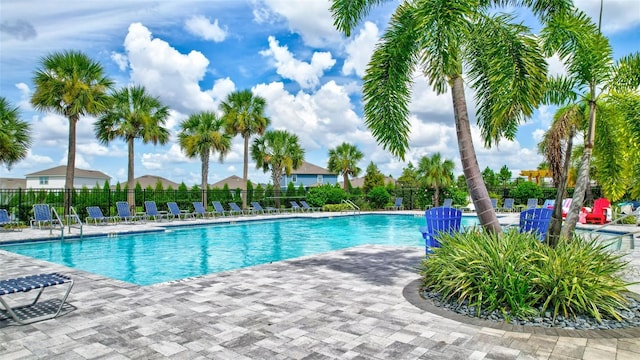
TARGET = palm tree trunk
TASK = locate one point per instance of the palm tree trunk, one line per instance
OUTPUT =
(583, 175)
(71, 164)
(245, 171)
(345, 179)
(131, 195)
(204, 169)
(555, 225)
(477, 187)
(275, 176)
(436, 197)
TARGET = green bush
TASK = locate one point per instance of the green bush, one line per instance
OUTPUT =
(378, 197)
(326, 194)
(526, 190)
(516, 274)
(336, 207)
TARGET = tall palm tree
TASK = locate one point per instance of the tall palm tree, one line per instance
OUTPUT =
(440, 38)
(133, 114)
(277, 151)
(591, 76)
(344, 160)
(244, 114)
(71, 84)
(436, 173)
(200, 135)
(15, 135)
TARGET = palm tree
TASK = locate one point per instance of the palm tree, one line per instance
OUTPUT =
(15, 135)
(344, 160)
(71, 84)
(436, 173)
(200, 135)
(133, 114)
(280, 152)
(591, 77)
(440, 38)
(244, 115)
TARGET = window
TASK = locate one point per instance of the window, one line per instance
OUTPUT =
(319, 180)
(294, 178)
(44, 180)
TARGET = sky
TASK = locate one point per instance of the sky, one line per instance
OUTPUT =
(192, 54)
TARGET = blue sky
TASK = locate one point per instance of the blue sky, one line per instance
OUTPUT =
(191, 54)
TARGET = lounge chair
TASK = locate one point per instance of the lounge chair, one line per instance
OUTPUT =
(599, 213)
(44, 215)
(175, 212)
(536, 221)
(448, 203)
(494, 204)
(5, 220)
(258, 209)
(24, 314)
(549, 204)
(235, 209)
(439, 220)
(151, 211)
(219, 209)
(508, 205)
(307, 207)
(566, 205)
(295, 207)
(96, 216)
(124, 214)
(199, 208)
(532, 203)
(397, 205)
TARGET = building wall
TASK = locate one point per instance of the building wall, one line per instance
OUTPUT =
(307, 180)
(57, 182)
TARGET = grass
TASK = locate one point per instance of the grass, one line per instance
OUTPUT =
(519, 276)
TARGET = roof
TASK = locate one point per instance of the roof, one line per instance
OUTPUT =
(233, 182)
(310, 169)
(13, 183)
(359, 182)
(62, 171)
(151, 180)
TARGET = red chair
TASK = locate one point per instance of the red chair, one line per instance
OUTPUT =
(599, 213)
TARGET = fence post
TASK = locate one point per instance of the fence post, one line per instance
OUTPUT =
(19, 202)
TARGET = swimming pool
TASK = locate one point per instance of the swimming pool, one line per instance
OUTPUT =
(179, 253)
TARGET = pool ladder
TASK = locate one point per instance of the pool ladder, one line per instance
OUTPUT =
(354, 207)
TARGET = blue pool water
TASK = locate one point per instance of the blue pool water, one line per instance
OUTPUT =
(180, 253)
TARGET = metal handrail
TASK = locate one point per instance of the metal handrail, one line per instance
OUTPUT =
(73, 220)
(632, 234)
(54, 214)
(353, 206)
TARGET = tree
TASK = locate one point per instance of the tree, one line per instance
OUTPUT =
(344, 160)
(15, 135)
(372, 178)
(133, 114)
(440, 38)
(409, 177)
(200, 136)
(489, 177)
(277, 151)
(70, 84)
(504, 175)
(243, 114)
(436, 174)
(591, 76)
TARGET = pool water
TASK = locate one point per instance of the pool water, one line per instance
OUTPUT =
(179, 253)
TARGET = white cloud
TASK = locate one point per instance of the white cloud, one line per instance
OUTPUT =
(311, 19)
(307, 75)
(202, 27)
(121, 60)
(164, 160)
(360, 49)
(556, 66)
(81, 162)
(220, 89)
(617, 15)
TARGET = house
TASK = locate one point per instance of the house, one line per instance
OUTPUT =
(233, 182)
(12, 183)
(54, 178)
(151, 180)
(309, 175)
(359, 182)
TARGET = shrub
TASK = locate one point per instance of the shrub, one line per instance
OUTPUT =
(326, 194)
(336, 207)
(378, 197)
(526, 190)
(516, 273)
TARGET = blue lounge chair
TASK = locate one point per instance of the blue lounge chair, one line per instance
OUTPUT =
(258, 209)
(200, 209)
(235, 209)
(124, 214)
(448, 203)
(5, 220)
(44, 215)
(151, 211)
(175, 212)
(295, 207)
(397, 205)
(536, 221)
(96, 216)
(307, 207)
(549, 203)
(508, 205)
(439, 220)
(24, 314)
(494, 204)
(532, 203)
(219, 209)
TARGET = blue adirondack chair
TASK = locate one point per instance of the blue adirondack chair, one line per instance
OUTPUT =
(439, 220)
(536, 221)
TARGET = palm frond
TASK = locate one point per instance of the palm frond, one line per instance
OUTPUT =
(348, 13)
(626, 73)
